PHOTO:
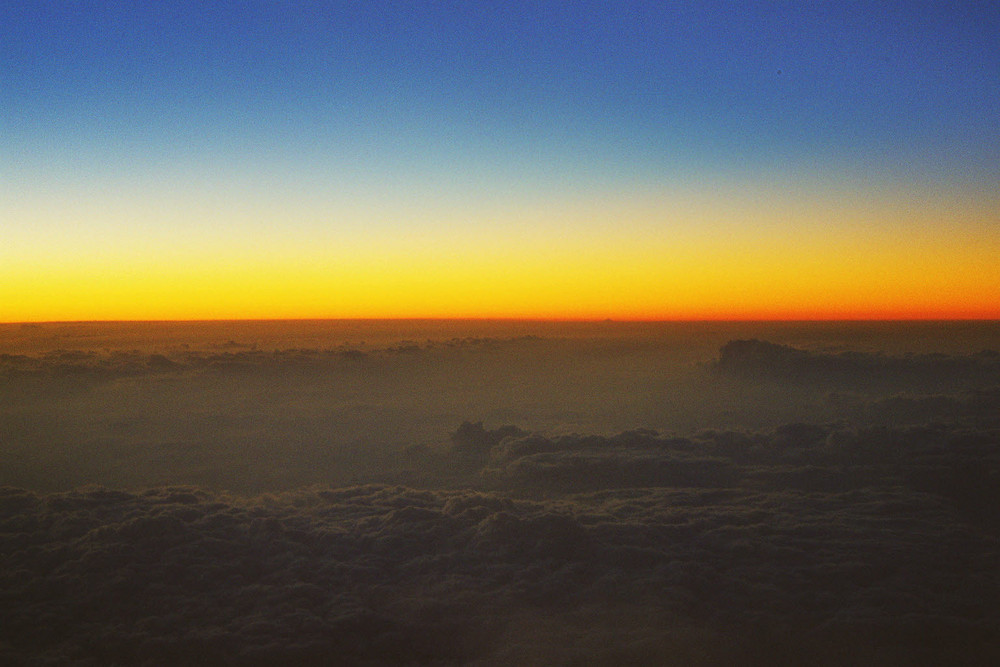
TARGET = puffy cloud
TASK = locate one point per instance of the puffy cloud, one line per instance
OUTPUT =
(472, 438)
(805, 544)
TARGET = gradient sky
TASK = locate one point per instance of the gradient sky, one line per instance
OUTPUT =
(520, 159)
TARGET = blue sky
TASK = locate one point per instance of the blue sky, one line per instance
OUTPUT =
(656, 85)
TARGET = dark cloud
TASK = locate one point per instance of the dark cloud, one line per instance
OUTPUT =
(391, 575)
(810, 544)
(231, 356)
(975, 407)
(807, 457)
(785, 505)
(757, 359)
(571, 463)
(474, 439)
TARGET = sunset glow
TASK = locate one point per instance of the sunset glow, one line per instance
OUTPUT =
(259, 162)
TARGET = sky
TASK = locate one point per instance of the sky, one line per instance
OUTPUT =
(632, 160)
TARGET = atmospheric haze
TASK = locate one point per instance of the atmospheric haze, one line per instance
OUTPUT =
(500, 492)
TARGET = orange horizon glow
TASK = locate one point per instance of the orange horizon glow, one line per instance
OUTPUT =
(707, 253)
(765, 317)
(150, 302)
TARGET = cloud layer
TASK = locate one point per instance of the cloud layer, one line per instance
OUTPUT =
(803, 544)
(821, 507)
(761, 359)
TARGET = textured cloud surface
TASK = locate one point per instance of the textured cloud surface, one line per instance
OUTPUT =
(801, 544)
(387, 574)
(822, 506)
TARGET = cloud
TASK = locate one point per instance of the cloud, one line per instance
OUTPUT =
(473, 439)
(867, 535)
(974, 407)
(757, 359)
(106, 364)
(804, 544)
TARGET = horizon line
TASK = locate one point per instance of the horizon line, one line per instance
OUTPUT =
(554, 320)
